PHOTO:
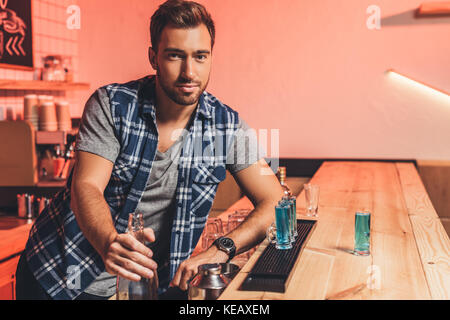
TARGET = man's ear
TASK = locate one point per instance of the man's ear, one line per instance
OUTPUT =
(152, 58)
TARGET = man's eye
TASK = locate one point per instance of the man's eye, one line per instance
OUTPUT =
(201, 57)
(174, 56)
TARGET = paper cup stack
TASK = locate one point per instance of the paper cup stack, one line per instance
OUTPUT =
(45, 114)
(47, 117)
(63, 116)
(31, 110)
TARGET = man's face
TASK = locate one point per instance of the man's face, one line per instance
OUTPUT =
(183, 63)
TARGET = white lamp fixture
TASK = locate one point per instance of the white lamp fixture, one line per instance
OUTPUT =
(418, 84)
(439, 8)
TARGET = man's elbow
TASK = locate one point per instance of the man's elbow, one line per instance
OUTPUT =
(81, 191)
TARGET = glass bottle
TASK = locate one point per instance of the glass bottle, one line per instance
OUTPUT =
(289, 197)
(282, 177)
(144, 289)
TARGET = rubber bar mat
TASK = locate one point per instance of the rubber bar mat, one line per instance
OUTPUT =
(273, 267)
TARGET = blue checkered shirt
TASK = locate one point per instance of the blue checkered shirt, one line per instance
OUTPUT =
(58, 254)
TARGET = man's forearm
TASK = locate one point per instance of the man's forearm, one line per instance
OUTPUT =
(93, 216)
(253, 230)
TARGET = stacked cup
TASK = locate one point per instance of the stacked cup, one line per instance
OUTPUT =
(47, 116)
(63, 116)
(31, 110)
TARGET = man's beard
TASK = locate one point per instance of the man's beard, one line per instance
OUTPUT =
(179, 97)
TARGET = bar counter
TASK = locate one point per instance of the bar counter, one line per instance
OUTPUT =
(13, 237)
(410, 249)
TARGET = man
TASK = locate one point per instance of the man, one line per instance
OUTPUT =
(159, 145)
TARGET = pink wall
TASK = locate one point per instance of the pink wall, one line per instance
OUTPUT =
(309, 68)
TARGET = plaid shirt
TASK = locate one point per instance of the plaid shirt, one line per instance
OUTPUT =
(59, 255)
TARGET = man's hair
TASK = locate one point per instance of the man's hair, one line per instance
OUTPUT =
(180, 14)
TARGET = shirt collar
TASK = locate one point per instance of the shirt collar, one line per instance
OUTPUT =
(148, 101)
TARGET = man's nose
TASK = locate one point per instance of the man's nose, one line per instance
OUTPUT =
(188, 71)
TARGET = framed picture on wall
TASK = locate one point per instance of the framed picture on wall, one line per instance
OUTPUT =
(16, 42)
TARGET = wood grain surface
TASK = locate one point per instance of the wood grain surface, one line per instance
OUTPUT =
(409, 247)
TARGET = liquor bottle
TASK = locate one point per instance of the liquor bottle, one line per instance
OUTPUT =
(288, 196)
(144, 289)
(282, 177)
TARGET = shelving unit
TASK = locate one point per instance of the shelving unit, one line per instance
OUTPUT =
(42, 85)
(41, 139)
(53, 137)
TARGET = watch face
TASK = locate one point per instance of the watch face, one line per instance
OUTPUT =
(227, 243)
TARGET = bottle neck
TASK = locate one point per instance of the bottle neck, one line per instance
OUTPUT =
(136, 226)
(282, 175)
(286, 190)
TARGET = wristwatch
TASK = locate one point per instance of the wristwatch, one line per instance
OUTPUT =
(226, 245)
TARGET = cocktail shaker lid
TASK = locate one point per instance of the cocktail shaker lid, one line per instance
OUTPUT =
(210, 269)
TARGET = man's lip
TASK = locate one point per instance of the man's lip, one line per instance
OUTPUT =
(187, 88)
(188, 85)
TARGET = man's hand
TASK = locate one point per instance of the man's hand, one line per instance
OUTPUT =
(126, 257)
(189, 267)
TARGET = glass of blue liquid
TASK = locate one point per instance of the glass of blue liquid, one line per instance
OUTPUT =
(280, 232)
(362, 233)
(286, 202)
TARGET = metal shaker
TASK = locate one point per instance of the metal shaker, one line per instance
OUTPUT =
(25, 206)
(209, 283)
(41, 204)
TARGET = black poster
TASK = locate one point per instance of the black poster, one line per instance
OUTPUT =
(16, 43)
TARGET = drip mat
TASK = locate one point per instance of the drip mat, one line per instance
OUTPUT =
(273, 267)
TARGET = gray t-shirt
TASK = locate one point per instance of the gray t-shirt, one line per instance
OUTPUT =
(96, 135)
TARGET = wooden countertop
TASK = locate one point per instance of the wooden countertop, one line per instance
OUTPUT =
(13, 236)
(410, 250)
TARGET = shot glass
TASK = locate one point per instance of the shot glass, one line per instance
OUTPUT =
(286, 202)
(234, 220)
(362, 233)
(293, 200)
(312, 199)
(214, 225)
(213, 230)
(279, 232)
(208, 239)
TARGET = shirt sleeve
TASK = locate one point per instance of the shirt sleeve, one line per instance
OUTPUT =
(245, 149)
(96, 134)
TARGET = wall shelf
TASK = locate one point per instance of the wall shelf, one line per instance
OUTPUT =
(53, 137)
(42, 85)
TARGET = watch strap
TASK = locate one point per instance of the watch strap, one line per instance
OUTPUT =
(231, 252)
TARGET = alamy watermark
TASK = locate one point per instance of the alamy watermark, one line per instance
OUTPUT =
(73, 280)
(245, 147)
(374, 280)
(373, 22)
(73, 21)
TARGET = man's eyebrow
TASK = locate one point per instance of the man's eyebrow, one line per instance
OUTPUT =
(204, 51)
(182, 51)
